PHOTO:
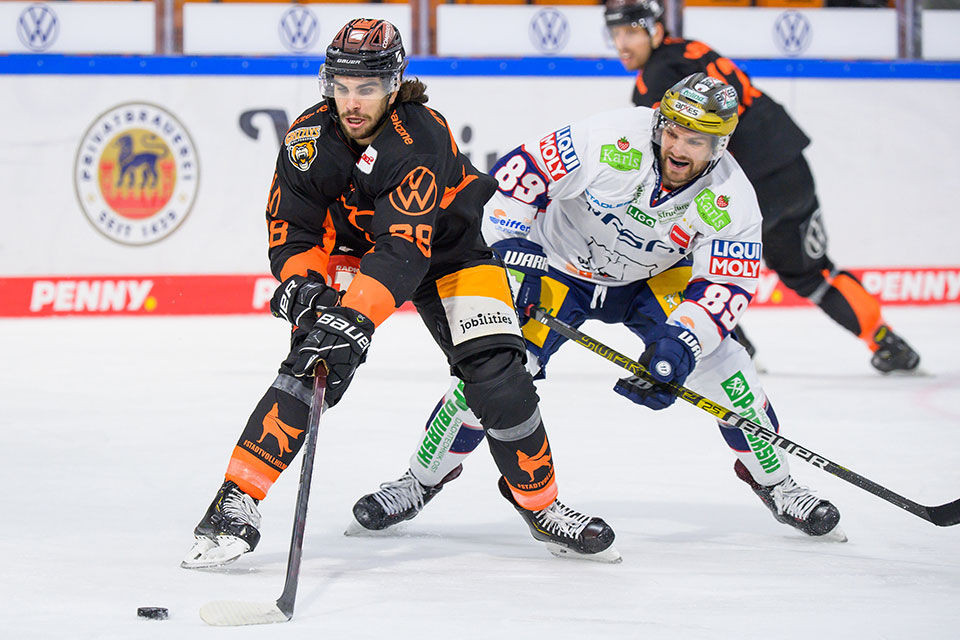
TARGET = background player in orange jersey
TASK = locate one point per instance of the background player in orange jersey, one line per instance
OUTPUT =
(769, 147)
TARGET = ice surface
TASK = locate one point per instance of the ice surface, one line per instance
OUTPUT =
(116, 433)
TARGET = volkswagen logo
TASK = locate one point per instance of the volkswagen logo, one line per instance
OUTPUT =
(549, 30)
(792, 32)
(38, 27)
(299, 29)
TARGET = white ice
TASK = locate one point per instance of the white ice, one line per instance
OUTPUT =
(116, 433)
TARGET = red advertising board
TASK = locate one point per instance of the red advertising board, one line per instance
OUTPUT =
(37, 296)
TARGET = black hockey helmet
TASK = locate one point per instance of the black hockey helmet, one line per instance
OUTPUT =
(636, 13)
(366, 47)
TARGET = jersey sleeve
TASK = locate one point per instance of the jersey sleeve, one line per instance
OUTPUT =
(312, 170)
(723, 225)
(540, 170)
(301, 235)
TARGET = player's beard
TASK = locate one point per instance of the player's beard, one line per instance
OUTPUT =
(675, 176)
(351, 123)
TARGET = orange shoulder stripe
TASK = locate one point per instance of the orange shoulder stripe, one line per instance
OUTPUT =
(450, 194)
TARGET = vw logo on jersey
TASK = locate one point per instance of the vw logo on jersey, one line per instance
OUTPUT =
(299, 29)
(549, 30)
(792, 32)
(38, 27)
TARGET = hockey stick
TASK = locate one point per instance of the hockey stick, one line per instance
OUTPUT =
(231, 613)
(944, 515)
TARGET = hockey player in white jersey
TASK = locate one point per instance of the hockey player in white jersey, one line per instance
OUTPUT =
(636, 217)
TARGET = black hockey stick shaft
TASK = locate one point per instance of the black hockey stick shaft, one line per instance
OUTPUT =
(944, 515)
(289, 596)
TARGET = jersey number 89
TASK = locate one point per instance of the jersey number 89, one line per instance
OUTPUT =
(724, 305)
(519, 183)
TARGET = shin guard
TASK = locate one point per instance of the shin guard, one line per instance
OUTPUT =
(452, 433)
(501, 393)
(272, 438)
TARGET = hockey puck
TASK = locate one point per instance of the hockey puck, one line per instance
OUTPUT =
(153, 613)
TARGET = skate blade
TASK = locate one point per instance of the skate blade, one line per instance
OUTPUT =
(610, 555)
(835, 535)
(357, 530)
(904, 373)
(208, 553)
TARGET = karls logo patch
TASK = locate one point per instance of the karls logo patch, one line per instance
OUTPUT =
(136, 173)
(302, 146)
(735, 259)
(620, 159)
(709, 212)
(558, 153)
(417, 193)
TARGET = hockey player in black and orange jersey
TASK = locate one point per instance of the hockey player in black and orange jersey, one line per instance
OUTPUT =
(410, 197)
(769, 147)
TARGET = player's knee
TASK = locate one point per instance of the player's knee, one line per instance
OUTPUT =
(501, 393)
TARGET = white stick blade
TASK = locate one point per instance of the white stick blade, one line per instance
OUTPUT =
(228, 613)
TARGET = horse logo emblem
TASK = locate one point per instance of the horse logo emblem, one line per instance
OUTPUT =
(136, 173)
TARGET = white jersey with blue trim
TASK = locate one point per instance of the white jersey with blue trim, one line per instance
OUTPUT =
(590, 195)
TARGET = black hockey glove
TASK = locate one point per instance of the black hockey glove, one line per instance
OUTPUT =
(671, 354)
(298, 299)
(528, 263)
(339, 338)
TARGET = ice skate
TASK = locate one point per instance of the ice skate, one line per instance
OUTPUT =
(797, 506)
(893, 354)
(568, 533)
(395, 502)
(228, 530)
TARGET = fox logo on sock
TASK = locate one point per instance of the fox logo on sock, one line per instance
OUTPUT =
(274, 426)
(532, 463)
